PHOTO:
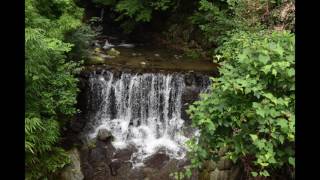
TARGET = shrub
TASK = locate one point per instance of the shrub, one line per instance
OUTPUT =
(51, 88)
(82, 38)
(250, 110)
(132, 12)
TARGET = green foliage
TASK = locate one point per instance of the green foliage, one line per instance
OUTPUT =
(136, 11)
(251, 109)
(51, 87)
(217, 18)
(82, 38)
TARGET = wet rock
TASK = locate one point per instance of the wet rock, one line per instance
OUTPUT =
(189, 79)
(124, 154)
(104, 134)
(157, 160)
(95, 161)
(95, 59)
(114, 166)
(73, 171)
(126, 172)
(97, 50)
(92, 143)
(190, 94)
(113, 52)
(97, 155)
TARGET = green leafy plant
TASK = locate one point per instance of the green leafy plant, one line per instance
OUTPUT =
(82, 38)
(51, 87)
(132, 12)
(250, 110)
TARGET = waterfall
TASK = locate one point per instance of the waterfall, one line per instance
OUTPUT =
(140, 110)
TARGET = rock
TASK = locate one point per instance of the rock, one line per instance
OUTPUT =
(92, 143)
(235, 173)
(103, 55)
(189, 79)
(109, 57)
(113, 52)
(214, 175)
(96, 155)
(95, 59)
(73, 171)
(143, 63)
(224, 164)
(97, 50)
(104, 134)
(210, 165)
(157, 160)
(114, 166)
(157, 55)
(124, 154)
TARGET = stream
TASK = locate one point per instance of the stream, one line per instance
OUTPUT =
(134, 123)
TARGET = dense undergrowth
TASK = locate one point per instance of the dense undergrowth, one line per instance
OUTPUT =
(51, 88)
(250, 111)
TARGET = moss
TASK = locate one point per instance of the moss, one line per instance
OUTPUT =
(95, 59)
(92, 143)
(113, 52)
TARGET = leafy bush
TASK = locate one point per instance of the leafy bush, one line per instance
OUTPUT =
(51, 87)
(216, 18)
(132, 12)
(82, 38)
(250, 111)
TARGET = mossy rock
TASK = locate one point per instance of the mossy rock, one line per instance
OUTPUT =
(113, 52)
(73, 170)
(95, 59)
(97, 50)
(92, 143)
(210, 165)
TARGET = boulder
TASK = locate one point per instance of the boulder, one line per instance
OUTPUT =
(95, 59)
(73, 171)
(157, 160)
(113, 52)
(114, 166)
(104, 134)
(210, 165)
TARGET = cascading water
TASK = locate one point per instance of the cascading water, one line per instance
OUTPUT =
(140, 110)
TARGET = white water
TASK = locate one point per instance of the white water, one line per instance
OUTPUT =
(140, 110)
